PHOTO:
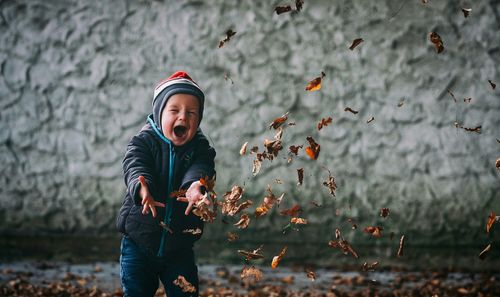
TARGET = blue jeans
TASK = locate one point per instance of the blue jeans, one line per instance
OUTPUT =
(140, 271)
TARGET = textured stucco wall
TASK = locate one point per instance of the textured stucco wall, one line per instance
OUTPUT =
(76, 84)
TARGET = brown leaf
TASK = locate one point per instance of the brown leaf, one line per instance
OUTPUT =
(186, 286)
(491, 221)
(375, 231)
(253, 272)
(232, 236)
(466, 11)
(497, 163)
(266, 204)
(293, 211)
(231, 205)
(344, 246)
(370, 120)
(179, 193)
(282, 9)
(475, 129)
(252, 255)
(279, 121)
(204, 211)
(254, 149)
(243, 149)
(492, 84)
(324, 122)
(482, 255)
(355, 43)
(164, 226)
(401, 245)
(384, 212)
(310, 274)
(315, 84)
(276, 259)
(451, 94)
(243, 222)
(467, 100)
(400, 104)
(298, 221)
(299, 4)
(369, 267)
(229, 33)
(295, 149)
(300, 176)
(438, 43)
(208, 183)
(192, 231)
(330, 183)
(313, 149)
(351, 110)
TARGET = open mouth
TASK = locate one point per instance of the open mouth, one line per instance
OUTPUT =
(180, 131)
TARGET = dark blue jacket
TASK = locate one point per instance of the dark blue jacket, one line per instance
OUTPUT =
(166, 168)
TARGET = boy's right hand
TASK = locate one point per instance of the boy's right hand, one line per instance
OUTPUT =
(148, 203)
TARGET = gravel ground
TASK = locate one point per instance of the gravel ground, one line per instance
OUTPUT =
(102, 279)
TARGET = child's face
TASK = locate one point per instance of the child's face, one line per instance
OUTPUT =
(180, 118)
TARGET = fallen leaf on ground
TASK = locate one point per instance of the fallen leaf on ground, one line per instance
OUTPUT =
(253, 272)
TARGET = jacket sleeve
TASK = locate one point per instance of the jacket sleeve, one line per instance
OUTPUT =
(139, 161)
(203, 163)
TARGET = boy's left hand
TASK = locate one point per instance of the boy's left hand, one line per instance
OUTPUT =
(193, 196)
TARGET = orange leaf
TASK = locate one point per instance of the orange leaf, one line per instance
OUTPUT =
(279, 121)
(298, 221)
(315, 84)
(276, 259)
(293, 211)
(491, 221)
(313, 149)
(375, 231)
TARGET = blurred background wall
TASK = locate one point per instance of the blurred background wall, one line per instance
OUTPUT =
(77, 80)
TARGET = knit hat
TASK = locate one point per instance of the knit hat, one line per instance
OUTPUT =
(178, 83)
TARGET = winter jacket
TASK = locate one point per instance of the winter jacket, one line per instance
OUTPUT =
(166, 168)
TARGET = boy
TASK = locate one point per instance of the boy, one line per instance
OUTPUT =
(169, 153)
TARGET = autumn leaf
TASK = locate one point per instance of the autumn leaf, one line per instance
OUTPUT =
(491, 221)
(313, 149)
(370, 120)
(436, 40)
(492, 84)
(482, 255)
(330, 183)
(369, 267)
(375, 231)
(315, 84)
(253, 272)
(475, 129)
(452, 95)
(229, 33)
(384, 212)
(293, 211)
(230, 205)
(298, 221)
(497, 163)
(185, 286)
(257, 164)
(179, 193)
(166, 227)
(300, 175)
(208, 183)
(243, 149)
(204, 211)
(282, 9)
(310, 274)
(254, 149)
(252, 255)
(344, 246)
(355, 43)
(227, 77)
(273, 146)
(192, 231)
(295, 149)
(232, 236)
(267, 203)
(351, 110)
(276, 259)
(467, 100)
(243, 222)
(400, 104)
(299, 4)
(279, 121)
(466, 11)
(401, 245)
(324, 122)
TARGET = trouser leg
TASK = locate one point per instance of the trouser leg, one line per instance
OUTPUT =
(138, 276)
